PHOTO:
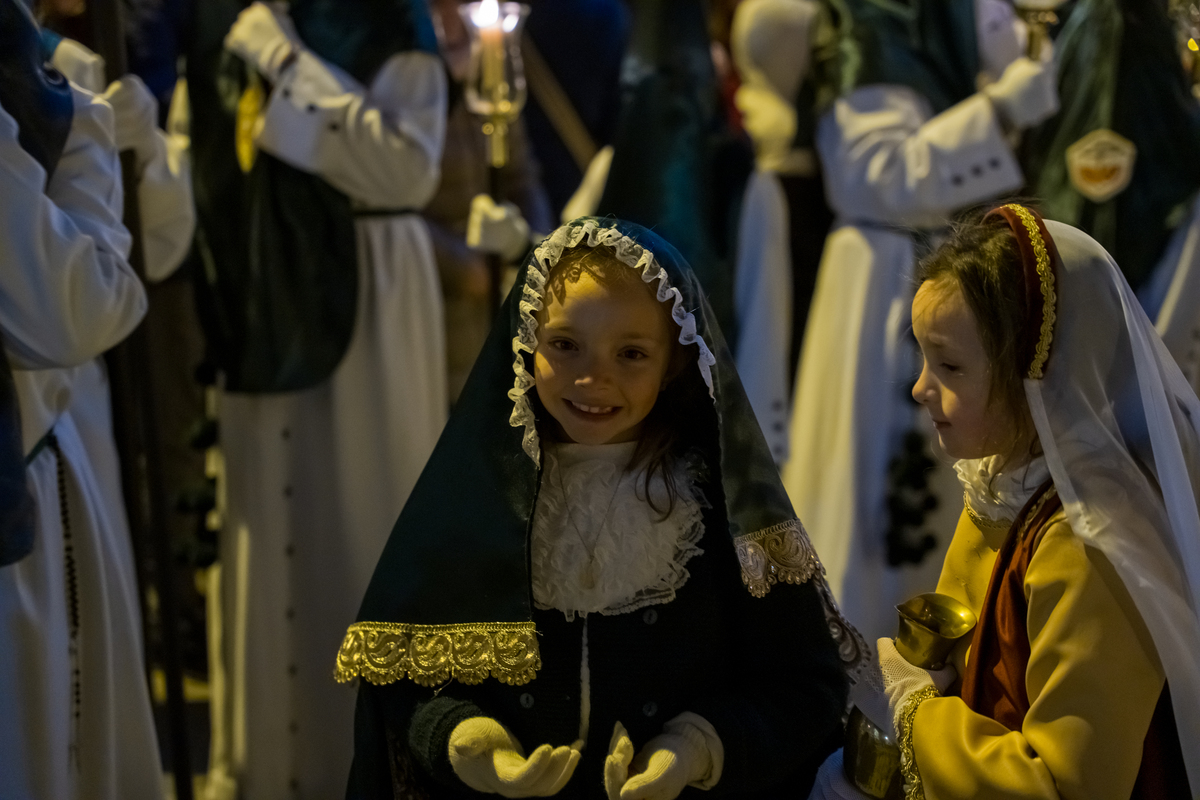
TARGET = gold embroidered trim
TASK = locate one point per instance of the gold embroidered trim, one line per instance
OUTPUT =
(1049, 297)
(779, 554)
(384, 652)
(784, 554)
(982, 522)
(913, 790)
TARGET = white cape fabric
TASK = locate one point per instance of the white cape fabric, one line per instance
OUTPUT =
(762, 298)
(316, 478)
(1119, 426)
(75, 716)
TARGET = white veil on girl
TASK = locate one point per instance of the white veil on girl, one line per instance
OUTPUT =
(1120, 427)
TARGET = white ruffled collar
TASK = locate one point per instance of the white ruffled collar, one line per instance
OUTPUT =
(597, 545)
(1000, 496)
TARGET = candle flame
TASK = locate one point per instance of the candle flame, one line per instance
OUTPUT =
(1195, 48)
(486, 14)
(510, 22)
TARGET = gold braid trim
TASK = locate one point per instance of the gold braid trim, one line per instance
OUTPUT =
(1049, 297)
(913, 790)
(384, 652)
(784, 554)
(982, 522)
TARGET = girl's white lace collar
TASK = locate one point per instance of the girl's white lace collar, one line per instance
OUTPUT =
(999, 496)
(597, 545)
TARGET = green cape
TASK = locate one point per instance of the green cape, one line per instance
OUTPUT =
(278, 282)
(1118, 68)
(677, 167)
(927, 45)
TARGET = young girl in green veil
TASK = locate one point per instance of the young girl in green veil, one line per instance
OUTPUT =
(598, 588)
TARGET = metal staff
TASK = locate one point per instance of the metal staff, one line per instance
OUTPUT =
(136, 428)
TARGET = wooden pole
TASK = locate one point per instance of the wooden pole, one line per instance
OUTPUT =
(495, 263)
(136, 430)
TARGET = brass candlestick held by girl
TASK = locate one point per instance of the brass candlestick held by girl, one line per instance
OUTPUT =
(599, 588)
(931, 624)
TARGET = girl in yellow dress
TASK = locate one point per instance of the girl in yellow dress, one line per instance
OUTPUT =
(1079, 545)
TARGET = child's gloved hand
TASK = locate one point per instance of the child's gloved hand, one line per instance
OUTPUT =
(265, 37)
(497, 229)
(486, 757)
(669, 762)
(1026, 94)
(901, 679)
(135, 112)
(616, 765)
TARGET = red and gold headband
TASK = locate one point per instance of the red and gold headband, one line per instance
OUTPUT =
(1038, 256)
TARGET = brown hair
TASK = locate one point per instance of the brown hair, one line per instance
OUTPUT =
(664, 439)
(982, 259)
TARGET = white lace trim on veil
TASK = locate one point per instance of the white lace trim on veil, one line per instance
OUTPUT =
(548, 253)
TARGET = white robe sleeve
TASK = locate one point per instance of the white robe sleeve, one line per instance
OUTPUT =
(67, 293)
(382, 146)
(886, 160)
(165, 182)
(762, 297)
(165, 197)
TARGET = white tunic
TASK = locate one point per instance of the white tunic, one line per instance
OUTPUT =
(75, 716)
(317, 478)
(889, 165)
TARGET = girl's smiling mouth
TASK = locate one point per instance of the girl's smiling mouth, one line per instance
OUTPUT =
(590, 411)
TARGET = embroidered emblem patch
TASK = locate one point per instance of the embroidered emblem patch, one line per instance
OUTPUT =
(1101, 164)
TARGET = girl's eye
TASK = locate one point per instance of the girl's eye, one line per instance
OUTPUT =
(949, 367)
(632, 354)
(563, 344)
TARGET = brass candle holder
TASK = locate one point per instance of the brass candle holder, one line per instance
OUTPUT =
(930, 626)
(495, 84)
(1039, 15)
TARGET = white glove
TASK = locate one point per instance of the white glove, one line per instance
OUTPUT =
(1026, 94)
(497, 229)
(901, 679)
(616, 765)
(135, 112)
(832, 784)
(265, 37)
(486, 757)
(668, 763)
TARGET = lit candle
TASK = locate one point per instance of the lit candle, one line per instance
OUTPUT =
(491, 41)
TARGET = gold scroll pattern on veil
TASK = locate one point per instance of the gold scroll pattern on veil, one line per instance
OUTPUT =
(784, 554)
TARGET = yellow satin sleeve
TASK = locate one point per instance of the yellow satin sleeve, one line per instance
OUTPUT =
(1093, 682)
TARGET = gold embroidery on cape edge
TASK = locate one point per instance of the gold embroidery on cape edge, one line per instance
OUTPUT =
(1049, 296)
(913, 790)
(781, 553)
(784, 554)
(384, 652)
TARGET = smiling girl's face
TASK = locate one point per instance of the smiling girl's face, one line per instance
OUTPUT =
(604, 349)
(956, 379)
